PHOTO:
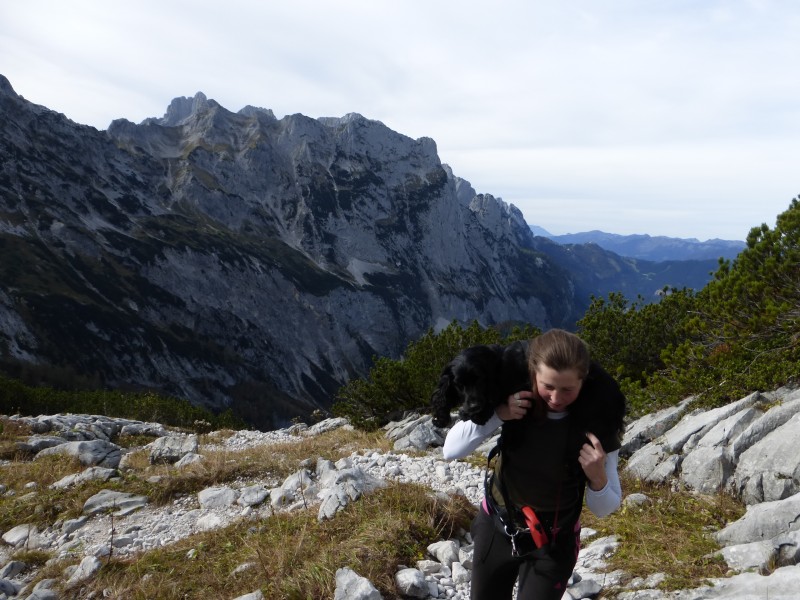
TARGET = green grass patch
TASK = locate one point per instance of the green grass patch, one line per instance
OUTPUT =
(670, 535)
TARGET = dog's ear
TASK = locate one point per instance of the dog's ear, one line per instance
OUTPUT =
(516, 375)
(444, 398)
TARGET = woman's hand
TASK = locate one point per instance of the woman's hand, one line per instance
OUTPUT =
(515, 406)
(592, 459)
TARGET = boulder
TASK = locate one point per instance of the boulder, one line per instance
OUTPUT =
(170, 449)
(90, 453)
(411, 583)
(352, 586)
(217, 497)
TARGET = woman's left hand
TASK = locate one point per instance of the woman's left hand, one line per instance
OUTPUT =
(592, 459)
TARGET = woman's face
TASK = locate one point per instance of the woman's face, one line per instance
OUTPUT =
(558, 389)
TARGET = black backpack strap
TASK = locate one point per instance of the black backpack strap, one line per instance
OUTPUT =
(502, 512)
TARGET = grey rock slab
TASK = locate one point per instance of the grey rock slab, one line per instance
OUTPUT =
(252, 495)
(72, 525)
(209, 522)
(781, 584)
(90, 474)
(753, 556)
(146, 429)
(298, 481)
(446, 552)
(352, 586)
(400, 429)
(280, 498)
(421, 437)
(730, 428)
(8, 588)
(666, 469)
(90, 453)
(327, 425)
(18, 536)
(429, 567)
(775, 459)
(43, 590)
(762, 522)
(700, 422)
(585, 588)
(257, 595)
(461, 574)
(118, 503)
(636, 499)
(336, 498)
(645, 460)
(649, 427)
(85, 571)
(707, 469)
(411, 583)
(217, 497)
(771, 420)
(37, 443)
(170, 449)
(12, 568)
(190, 458)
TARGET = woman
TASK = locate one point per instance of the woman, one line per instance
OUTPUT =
(559, 442)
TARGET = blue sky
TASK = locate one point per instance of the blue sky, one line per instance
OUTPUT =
(677, 118)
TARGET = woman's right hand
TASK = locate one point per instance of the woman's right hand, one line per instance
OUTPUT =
(515, 406)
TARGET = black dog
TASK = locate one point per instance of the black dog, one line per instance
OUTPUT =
(478, 379)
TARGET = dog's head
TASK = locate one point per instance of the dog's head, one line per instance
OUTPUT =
(478, 379)
(467, 381)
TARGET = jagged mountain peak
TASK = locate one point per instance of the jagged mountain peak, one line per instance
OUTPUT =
(256, 111)
(6, 87)
(349, 118)
(180, 109)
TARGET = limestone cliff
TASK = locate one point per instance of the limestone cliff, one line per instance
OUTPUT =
(239, 258)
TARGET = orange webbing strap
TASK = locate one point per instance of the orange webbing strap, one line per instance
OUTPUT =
(537, 530)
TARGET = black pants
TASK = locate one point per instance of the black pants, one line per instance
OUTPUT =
(542, 576)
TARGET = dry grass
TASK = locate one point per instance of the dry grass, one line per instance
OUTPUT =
(11, 431)
(275, 461)
(293, 555)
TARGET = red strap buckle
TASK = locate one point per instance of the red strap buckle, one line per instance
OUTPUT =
(537, 529)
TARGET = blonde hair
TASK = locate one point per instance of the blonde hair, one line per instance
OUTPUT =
(560, 350)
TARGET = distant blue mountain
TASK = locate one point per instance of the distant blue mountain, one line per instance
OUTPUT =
(652, 248)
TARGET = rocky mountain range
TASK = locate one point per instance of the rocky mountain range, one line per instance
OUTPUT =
(244, 261)
(652, 248)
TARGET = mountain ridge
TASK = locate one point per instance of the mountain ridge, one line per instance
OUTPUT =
(652, 248)
(239, 260)
(247, 262)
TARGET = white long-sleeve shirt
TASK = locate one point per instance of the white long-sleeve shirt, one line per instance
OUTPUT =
(465, 436)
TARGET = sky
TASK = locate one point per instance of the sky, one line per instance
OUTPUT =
(678, 118)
